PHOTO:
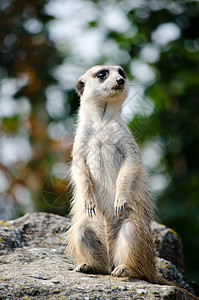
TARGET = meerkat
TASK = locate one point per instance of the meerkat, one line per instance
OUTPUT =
(112, 209)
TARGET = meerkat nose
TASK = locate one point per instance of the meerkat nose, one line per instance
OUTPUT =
(120, 81)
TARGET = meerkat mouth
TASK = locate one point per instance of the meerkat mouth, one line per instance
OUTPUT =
(114, 90)
(117, 88)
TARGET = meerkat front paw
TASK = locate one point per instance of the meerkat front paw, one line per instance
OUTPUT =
(90, 208)
(121, 208)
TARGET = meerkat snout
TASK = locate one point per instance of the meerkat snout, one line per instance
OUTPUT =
(120, 81)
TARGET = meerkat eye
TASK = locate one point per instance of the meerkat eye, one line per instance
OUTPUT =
(121, 72)
(102, 74)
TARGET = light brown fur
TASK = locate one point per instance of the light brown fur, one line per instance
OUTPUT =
(112, 209)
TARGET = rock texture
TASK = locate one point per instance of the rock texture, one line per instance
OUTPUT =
(33, 265)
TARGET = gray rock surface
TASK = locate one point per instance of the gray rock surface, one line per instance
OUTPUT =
(33, 265)
(168, 245)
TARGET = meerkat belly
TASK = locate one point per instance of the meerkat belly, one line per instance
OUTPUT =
(104, 161)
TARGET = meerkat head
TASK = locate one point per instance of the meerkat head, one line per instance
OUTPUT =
(103, 84)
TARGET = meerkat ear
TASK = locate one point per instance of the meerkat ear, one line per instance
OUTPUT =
(80, 87)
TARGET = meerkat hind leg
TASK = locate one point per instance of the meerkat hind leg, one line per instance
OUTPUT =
(89, 251)
(127, 260)
(84, 268)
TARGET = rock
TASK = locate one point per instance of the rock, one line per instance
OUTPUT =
(168, 245)
(33, 265)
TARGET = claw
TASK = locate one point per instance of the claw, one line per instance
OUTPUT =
(119, 210)
(90, 211)
(94, 212)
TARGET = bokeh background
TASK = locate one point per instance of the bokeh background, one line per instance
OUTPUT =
(46, 45)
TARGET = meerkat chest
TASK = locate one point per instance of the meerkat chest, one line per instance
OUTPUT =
(104, 135)
(103, 153)
(101, 147)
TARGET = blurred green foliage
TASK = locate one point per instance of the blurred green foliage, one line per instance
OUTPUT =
(172, 125)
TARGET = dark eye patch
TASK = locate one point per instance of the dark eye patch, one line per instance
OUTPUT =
(121, 72)
(102, 74)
